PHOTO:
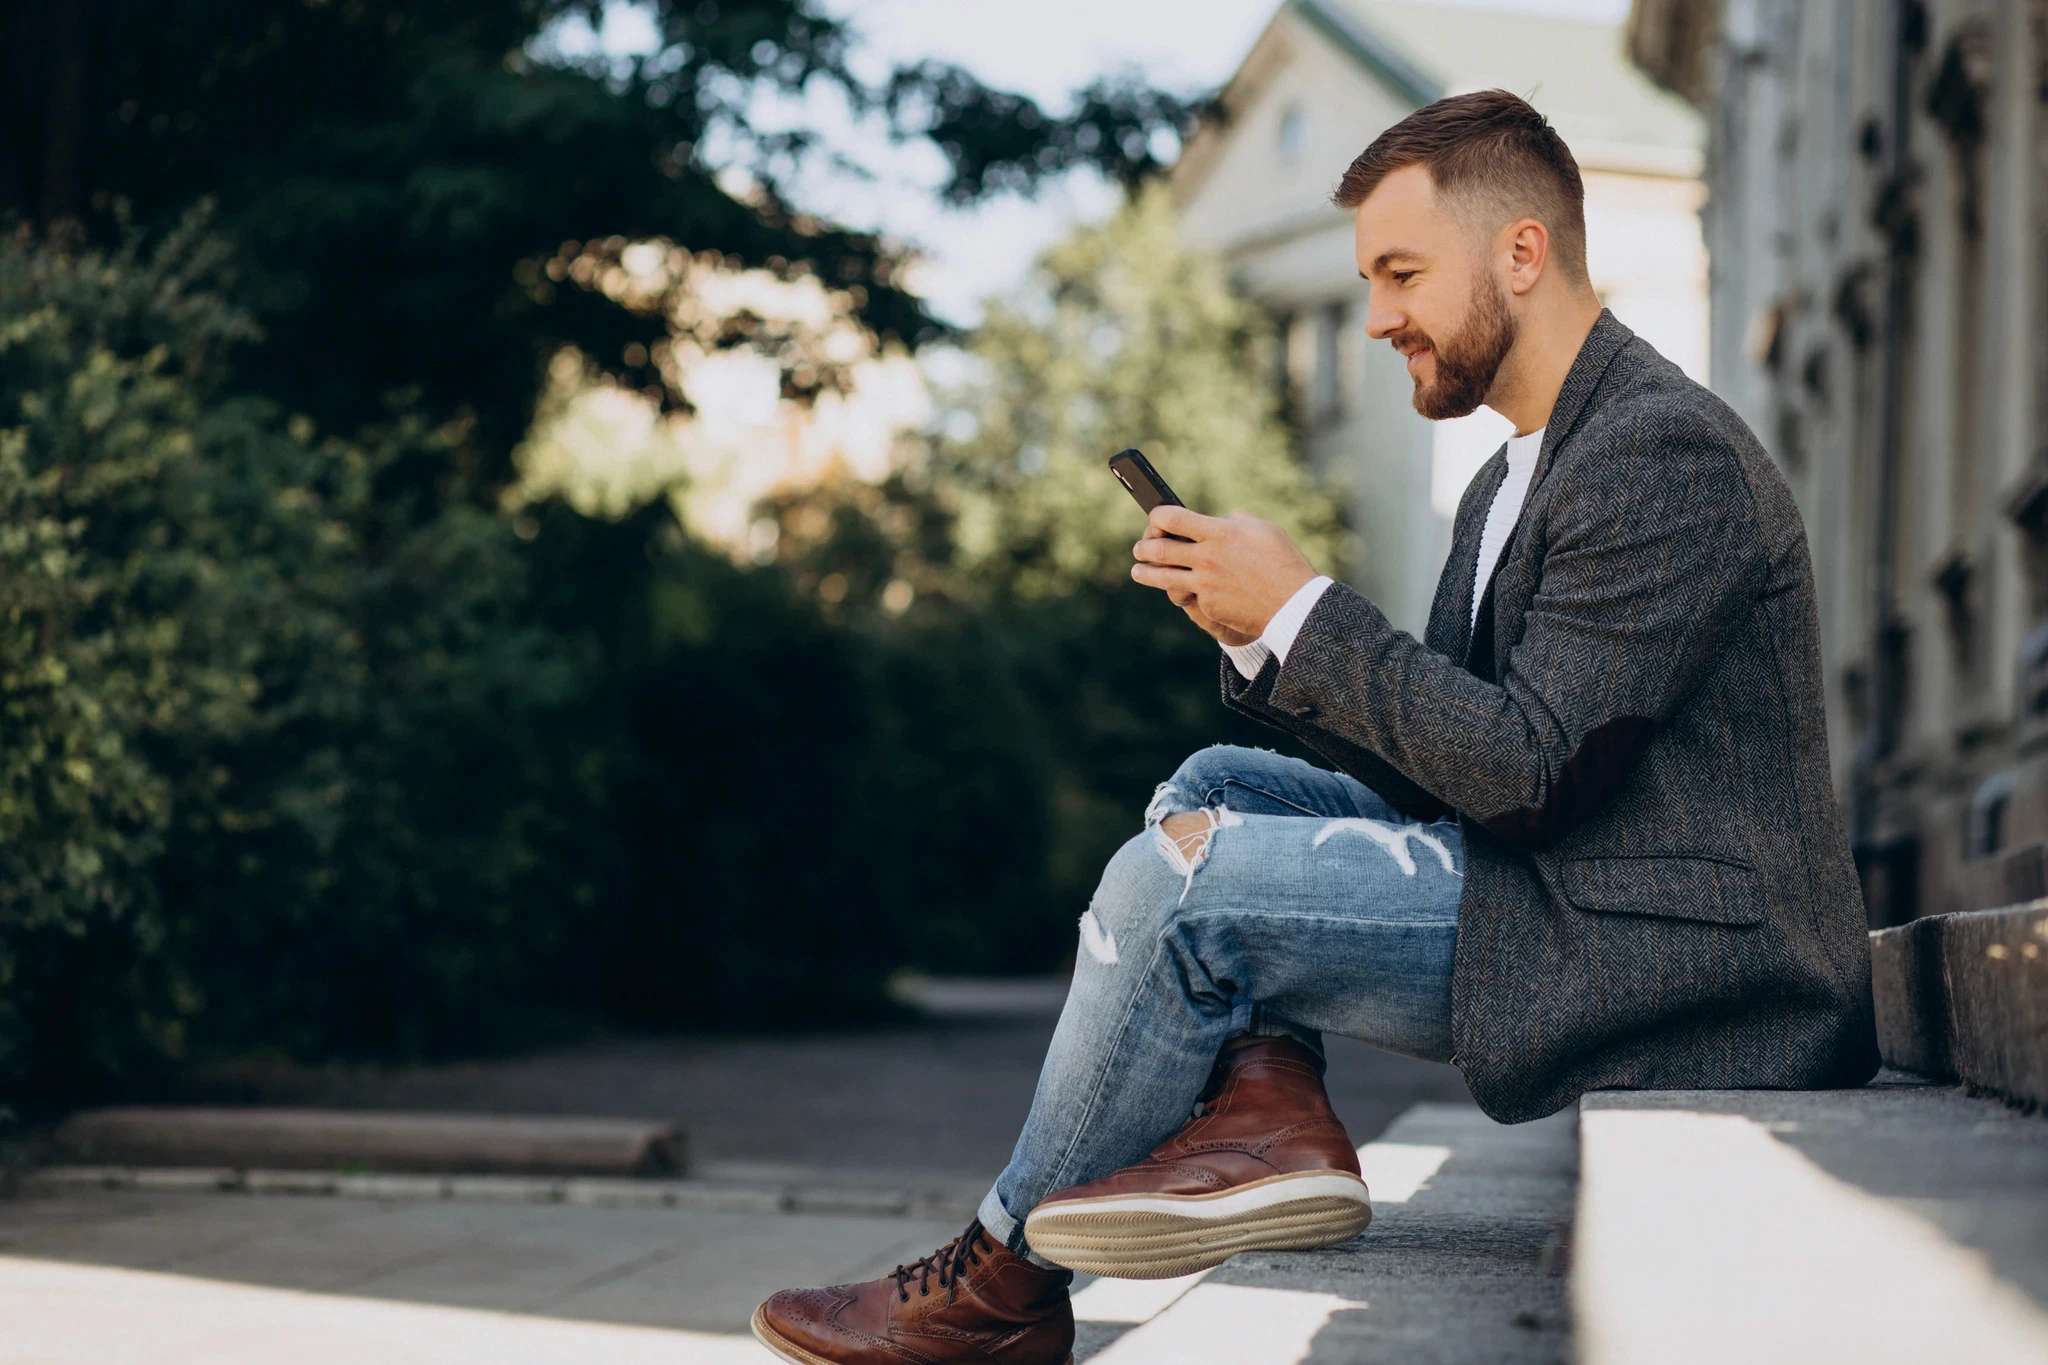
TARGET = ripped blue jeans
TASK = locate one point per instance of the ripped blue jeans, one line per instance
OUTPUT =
(1313, 905)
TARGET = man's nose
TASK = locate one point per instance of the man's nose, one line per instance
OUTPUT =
(1381, 321)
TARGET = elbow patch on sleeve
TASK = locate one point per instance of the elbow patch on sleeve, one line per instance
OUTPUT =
(1590, 775)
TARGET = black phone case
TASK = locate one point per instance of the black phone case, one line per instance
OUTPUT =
(1141, 480)
(1143, 483)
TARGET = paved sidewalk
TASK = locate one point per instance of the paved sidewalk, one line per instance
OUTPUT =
(1460, 1265)
(693, 1269)
(164, 1276)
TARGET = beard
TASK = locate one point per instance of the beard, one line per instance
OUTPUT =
(1466, 363)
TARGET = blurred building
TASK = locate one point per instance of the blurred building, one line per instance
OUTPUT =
(1323, 80)
(1877, 215)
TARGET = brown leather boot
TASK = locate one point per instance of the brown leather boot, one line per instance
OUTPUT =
(971, 1300)
(1265, 1165)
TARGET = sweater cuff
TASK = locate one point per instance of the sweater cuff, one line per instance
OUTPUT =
(1286, 623)
(1248, 659)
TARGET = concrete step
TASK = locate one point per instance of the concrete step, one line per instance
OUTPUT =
(1965, 996)
(1903, 1222)
(368, 1140)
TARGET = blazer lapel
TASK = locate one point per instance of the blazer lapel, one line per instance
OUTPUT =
(1602, 344)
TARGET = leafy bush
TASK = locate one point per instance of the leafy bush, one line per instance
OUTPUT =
(277, 762)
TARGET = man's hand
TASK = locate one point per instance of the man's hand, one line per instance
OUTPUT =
(1229, 575)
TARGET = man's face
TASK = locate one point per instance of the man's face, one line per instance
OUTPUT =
(1432, 294)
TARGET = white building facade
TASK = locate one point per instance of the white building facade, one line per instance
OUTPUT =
(1322, 81)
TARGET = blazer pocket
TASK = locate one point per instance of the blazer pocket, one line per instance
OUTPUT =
(1715, 890)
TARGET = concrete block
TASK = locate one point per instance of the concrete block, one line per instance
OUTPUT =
(83, 1178)
(706, 1196)
(1997, 969)
(505, 1189)
(188, 1179)
(308, 1139)
(620, 1194)
(1911, 996)
(816, 1199)
(391, 1186)
(1966, 995)
(288, 1182)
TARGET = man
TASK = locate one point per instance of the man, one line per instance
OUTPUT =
(1581, 835)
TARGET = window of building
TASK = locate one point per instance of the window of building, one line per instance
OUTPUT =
(1293, 133)
(1326, 395)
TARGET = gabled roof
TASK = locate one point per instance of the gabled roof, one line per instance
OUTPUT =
(1385, 60)
(1574, 70)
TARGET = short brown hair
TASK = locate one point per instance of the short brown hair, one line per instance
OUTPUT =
(1494, 153)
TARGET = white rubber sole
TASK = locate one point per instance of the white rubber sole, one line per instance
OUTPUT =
(783, 1348)
(1157, 1236)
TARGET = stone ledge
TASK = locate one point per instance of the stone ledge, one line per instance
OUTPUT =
(1890, 1225)
(371, 1141)
(1965, 996)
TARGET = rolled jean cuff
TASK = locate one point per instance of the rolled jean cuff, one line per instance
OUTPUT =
(1248, 1017)
(1001, 1227)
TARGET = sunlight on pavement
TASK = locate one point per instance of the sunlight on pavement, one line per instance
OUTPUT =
(1131, 1300)
(1229, 1324)
(1395, 1171)
(61, 1314)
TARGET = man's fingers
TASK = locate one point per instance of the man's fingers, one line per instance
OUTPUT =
(1164, 550)
(1160, 576)
(1179, 521)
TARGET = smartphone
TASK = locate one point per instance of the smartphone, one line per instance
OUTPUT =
(1142, 482)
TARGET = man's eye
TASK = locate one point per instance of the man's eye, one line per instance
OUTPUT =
(1403, 276)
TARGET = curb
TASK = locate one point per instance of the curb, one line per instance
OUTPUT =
(587, 1191)
(306, 1139)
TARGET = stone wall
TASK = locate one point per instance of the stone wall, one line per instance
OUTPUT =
(1877, 222)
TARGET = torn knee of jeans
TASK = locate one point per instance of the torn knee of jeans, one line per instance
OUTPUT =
(1167, 799)
(1185, 839)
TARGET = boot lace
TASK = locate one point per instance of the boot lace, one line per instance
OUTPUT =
(948, 1262)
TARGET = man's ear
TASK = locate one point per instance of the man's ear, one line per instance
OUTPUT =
(1528, 253)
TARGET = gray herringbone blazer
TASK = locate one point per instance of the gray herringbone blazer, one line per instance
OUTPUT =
(1658, 893)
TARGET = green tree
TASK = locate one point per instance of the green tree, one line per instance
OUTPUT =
(308, 747)
(1029, 694)
(1123, 338)
(422, 205)
(1128, 338)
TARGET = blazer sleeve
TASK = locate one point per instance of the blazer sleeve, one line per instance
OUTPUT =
(1250, 696)
(1652, 554)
